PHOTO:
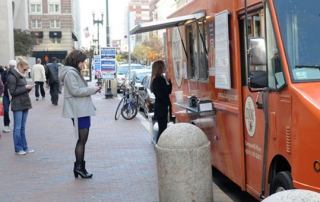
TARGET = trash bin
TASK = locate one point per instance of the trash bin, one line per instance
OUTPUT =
(184, 164)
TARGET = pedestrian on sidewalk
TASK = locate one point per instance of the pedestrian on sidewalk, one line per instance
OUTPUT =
(1, 91)
(6, 98)
(52, 75)
(77, 105)
(161, 87)
(39, 77)
(20, 104)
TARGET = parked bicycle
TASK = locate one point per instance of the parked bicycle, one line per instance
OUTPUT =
(128, 106)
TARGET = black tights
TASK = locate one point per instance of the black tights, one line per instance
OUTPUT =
(81, 143)
(162, 123)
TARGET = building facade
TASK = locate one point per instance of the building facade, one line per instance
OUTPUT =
(52, 23)
(141, 11)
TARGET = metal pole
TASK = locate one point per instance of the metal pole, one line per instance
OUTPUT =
(107, 25)
(129, 54)
(98, 40)
(108, 89)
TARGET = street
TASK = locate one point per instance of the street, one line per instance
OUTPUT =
(118, 153)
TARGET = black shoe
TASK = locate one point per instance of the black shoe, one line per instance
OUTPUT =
(80, 169)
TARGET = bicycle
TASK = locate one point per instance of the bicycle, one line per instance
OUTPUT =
(128, 106)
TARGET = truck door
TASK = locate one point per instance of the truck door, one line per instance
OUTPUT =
(253, 115)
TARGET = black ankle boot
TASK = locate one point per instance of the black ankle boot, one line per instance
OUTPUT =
(80, 169)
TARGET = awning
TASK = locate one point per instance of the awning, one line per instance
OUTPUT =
(56, 34)
(172, 22)
(74, 37)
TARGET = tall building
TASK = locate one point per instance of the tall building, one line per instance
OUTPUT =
(13, 14)
(141, 11)
(52, 23)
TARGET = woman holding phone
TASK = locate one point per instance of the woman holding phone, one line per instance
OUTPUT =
(161, 87)
(77, 105)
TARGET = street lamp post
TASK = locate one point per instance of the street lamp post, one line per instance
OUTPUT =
(98, 22)
(108, 88)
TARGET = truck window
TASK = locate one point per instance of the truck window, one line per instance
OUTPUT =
(255, 22)
(197, 66)
(275, 67)
(299, 27)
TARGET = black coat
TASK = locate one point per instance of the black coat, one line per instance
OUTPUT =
(161, 91)
(4, 81)
(20, 94)
(52, 72)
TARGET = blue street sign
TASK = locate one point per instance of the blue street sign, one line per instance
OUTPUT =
(108, 53)
(108, 65)
(97, 63)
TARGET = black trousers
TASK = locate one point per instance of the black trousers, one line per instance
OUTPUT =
(162, 123)
(54, 92)
(39, 84)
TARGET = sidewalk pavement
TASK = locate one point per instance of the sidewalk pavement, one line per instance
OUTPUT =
(118, 153)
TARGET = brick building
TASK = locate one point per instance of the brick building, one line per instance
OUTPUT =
(52, 24)
(141, 11)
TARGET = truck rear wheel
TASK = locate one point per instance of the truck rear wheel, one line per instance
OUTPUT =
(282, 181)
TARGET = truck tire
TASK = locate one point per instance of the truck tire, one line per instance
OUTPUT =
(282, 181)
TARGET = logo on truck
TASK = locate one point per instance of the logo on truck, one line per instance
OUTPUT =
(177, 56)
(250, 116)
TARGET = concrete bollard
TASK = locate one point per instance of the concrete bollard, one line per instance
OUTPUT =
(184, 164)
(294, 195)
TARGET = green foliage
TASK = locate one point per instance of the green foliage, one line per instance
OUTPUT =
(151, 49)
(23, 42)
(86, 51)
(122, 57)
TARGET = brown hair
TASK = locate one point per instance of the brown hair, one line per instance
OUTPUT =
(157, 70)
(74, 58)
(21, 62)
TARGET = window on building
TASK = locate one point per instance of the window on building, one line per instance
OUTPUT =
(55, 40)
(36, 24)
(197, 51)
(35, 8)
(54, 8)
(54, 23)
(38, 40)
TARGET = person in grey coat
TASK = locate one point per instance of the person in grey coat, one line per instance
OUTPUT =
(77, 105)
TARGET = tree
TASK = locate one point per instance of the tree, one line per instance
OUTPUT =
(23, 42)
(86, 51)
(122, 57)
(151, 49)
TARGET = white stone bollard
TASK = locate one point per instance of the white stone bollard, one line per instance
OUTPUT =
(184, 164)
(294, 195)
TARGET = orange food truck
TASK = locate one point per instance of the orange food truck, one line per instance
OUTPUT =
(254, 68)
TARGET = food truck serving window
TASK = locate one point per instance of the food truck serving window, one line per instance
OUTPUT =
(197, 52)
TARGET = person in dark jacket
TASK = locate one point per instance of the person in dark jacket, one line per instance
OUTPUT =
(6, 98)
(52, 75)
(20, 104)
(161, 87)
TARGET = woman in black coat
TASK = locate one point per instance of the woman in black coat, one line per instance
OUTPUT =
(20, 104)
(161, 87)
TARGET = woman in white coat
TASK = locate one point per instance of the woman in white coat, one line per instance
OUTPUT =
(77, 105)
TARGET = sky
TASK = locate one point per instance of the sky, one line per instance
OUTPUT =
(117, 10)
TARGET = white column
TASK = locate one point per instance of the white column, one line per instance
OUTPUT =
(6, 32)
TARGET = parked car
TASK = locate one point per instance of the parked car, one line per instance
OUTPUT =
(146, 98)
(121, 72)
(137, 76)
